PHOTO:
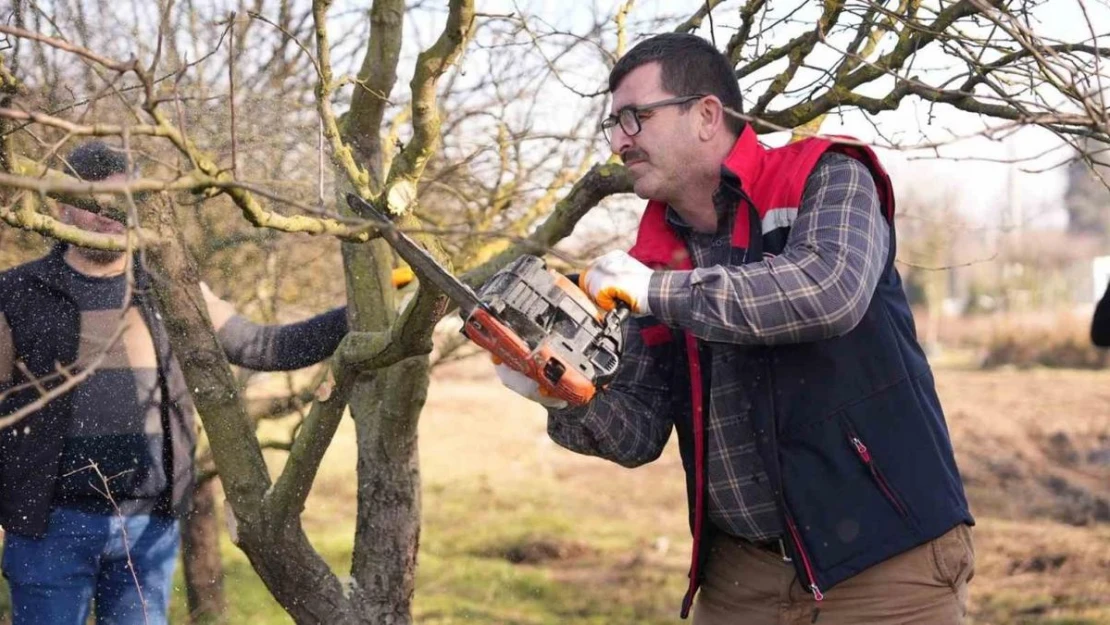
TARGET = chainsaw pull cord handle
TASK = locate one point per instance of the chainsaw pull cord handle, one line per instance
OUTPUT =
(621, 312)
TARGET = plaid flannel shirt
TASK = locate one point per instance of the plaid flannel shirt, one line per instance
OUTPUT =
(818, 287)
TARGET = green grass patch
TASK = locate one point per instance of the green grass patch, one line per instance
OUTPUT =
(465, 572)
(471, 571)
(467, 589)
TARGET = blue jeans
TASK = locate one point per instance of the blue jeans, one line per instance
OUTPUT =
(85, 557)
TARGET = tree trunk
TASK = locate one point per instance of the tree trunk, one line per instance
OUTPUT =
(276, 545)
(204, 570)
(295, 574)
(387, 534)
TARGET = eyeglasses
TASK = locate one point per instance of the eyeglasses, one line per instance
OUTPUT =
(630, 118)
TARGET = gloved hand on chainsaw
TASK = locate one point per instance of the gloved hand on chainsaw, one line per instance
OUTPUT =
(526, 387)
(617, 277)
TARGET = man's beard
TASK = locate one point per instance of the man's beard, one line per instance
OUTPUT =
(98, 257)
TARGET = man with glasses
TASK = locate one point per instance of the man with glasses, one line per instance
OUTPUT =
(771, 331)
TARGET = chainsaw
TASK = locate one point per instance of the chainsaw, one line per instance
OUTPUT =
(529, 317)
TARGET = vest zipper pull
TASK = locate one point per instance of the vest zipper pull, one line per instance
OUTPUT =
(861, 449)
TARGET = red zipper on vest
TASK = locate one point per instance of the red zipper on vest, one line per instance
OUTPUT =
(817, 596)
(865, 456)
(697, 408)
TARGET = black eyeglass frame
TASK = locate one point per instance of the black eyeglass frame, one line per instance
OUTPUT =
(629, 117)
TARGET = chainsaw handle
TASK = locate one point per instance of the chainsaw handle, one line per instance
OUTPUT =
(620, 313)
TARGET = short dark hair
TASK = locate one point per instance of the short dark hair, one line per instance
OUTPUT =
(689, 65)
(94, 161)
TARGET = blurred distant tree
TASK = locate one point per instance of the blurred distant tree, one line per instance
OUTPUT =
(1087, 198)
(930, 230)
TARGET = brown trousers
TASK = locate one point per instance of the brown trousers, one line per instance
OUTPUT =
(927, 585)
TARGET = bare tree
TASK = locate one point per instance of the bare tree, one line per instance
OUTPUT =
(192, 108)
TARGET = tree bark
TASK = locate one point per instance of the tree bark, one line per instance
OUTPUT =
(387, 533)
(278, 549)
(204, 570)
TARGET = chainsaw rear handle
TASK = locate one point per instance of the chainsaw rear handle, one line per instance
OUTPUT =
(620, 313)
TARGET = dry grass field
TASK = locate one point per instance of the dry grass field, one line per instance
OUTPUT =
(519, 531)
(575, 539)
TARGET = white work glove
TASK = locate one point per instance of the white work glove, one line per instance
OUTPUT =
(616, 276)
(527, 387)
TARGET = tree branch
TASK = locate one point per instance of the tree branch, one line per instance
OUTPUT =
(430, 65)
(798, 50)
(214, 390)
(599, 183)
(46, 225)
(695, 20)
(840, 93)
(65, 46)
(77, 193)
(341, 154)
(285, 499)
(738, 39)
(376, 78)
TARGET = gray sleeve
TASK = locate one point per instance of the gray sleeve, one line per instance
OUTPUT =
(7, 353)
(286, 347)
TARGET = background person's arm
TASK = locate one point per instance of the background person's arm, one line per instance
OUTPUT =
(277, 347)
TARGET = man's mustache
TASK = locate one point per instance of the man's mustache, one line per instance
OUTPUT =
(632, 154)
